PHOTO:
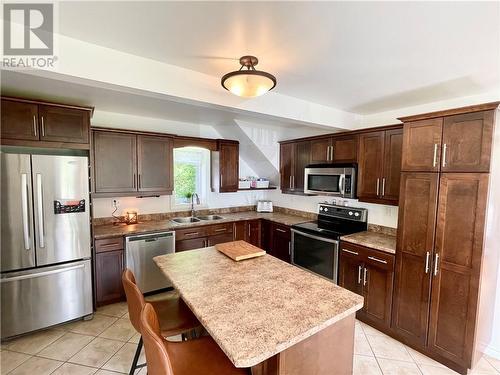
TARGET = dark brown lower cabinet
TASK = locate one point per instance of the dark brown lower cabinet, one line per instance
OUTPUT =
(190, 244)
(249, 231)
(203, 236)
(220, 238)
(109, 268)
(281, 242)
(370, 273)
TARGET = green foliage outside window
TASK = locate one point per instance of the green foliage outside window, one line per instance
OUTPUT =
(184, 180)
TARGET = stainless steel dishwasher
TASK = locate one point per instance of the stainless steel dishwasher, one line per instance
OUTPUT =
(139, 253)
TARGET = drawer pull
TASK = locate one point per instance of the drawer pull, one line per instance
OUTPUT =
(378, 260)
(191, 234)
(364, 276)
(281, 230)
(221, 230)
(359, 274)
(350, 252)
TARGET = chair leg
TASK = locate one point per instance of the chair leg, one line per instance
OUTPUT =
(136, 357)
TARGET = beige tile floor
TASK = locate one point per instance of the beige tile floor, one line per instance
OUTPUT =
(106, 345)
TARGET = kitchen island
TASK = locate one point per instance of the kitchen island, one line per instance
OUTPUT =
(267, 314)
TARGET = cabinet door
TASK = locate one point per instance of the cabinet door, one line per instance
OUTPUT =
(371, 154)
(287, 165)
(467, 142)
(19, 120)
(267, 235)
(422, 145)
(393, 147)
(109, 268)
(59, 124)
(190, 244)
(321, 151)
(154, 163)
(350, 270)
(377, 289)
(253, 232)
(240, 231)
(415, 246)
(115, 162)
(229, 167)
(302, 159)
(457, 263)
(345, 149)
(220, 238)
(281, 242)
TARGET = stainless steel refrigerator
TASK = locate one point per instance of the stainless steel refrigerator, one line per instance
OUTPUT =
(46, 276)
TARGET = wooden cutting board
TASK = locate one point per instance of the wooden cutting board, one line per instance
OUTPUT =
(239, 250)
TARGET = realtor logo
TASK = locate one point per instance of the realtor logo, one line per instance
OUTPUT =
(28, 29)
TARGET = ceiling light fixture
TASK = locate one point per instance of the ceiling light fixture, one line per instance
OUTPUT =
(248, 83)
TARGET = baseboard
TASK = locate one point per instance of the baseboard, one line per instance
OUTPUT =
(492, 351)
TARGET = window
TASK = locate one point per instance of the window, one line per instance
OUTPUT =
(191, 174)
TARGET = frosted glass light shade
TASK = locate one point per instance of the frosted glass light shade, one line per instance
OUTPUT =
(248, 83)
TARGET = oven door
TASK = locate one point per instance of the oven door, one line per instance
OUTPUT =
(316, 254)
(329, 181)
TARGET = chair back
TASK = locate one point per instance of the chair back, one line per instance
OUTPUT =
(135, 298)
(154, 344)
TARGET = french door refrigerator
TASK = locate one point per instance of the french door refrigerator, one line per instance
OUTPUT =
(46, 276)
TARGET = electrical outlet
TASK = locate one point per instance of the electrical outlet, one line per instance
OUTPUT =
(115, 203)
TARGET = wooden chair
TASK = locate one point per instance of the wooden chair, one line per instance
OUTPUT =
(195, 357)
(175, 317)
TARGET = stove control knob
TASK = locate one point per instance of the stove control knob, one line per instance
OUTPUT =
(351, 213)
(321, 208)
(356, 214)
(326, 209)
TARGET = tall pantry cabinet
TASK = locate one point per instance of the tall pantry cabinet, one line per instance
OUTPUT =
(443, 198)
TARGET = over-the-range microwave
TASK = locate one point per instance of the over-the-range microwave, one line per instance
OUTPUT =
(331, 179)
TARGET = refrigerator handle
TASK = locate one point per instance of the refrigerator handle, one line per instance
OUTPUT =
(39, 274)
(39, 198)
(24, 206)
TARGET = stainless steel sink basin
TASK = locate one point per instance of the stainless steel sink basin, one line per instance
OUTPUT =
(185, 220)
(210, 217)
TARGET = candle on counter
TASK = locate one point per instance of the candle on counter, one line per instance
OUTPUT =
(131, 217)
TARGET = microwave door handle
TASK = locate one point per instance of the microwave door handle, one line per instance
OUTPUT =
(342, 184)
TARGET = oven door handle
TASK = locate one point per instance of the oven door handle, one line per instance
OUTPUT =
(324, 239)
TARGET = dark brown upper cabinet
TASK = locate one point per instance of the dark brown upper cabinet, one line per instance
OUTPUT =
(154, 151)
(39, 124)
(422, 145)
(294, 157)
(19, 120)
(379, 166)
(229, 166)
(342, 149)
(59, 124)
(454, 143)
(128, 163)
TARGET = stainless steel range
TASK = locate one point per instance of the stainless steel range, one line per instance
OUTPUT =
(315, 245)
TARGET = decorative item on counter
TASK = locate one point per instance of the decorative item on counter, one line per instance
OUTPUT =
(264, 206)
(131, 217)
(244, 183)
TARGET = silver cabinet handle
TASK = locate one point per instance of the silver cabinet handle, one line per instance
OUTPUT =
(43, 128)
(289, 248)
(191, 234)
(133, 181)
(383, 186)
(434, 159)
(328, 153)
(359, 274)
(427, 256)
(445, 147)
(139, 182)
(40, 274)
(290, 183)
(24, 205)
(34, 125)
(378, 260)
(378, 186)
(436, 265)
(39, 197)
(281, 230)
(350, 252)
(221, 179)
(221, 230)
(332, 152)
(365, 271)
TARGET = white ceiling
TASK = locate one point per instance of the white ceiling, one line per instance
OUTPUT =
(362, 57)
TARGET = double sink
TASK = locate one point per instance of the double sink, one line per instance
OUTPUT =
(195, 219)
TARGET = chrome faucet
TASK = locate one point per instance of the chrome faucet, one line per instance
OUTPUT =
(193, 211)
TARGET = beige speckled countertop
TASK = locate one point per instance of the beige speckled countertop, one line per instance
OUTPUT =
(255, 308)
(110, 230)
(375, 240)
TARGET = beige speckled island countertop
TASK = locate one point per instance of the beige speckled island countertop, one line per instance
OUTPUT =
(110, 230)
(375, 240)
(257, 308)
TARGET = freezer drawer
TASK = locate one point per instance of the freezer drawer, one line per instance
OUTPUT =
(44, 297)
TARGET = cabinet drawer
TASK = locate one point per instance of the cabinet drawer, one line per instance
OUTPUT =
(108, 244)
(188, 233)
(220, 229)
(367, 255)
